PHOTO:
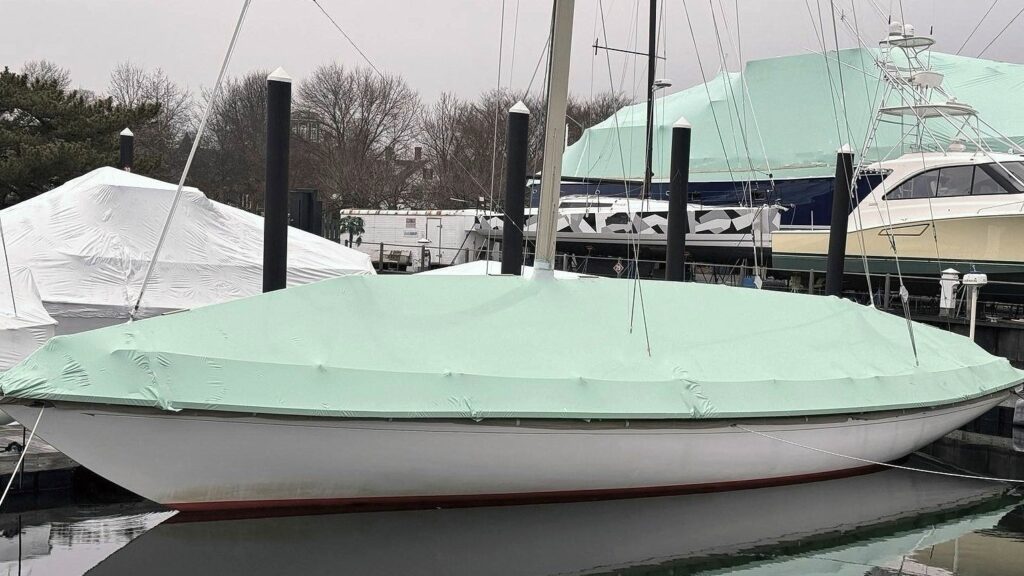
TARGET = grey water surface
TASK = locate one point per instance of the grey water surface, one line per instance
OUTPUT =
(889, 522)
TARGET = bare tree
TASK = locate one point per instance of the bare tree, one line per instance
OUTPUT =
(158, 143)
(231, 165)
(47, 72)
(583, 113)
(365, 126)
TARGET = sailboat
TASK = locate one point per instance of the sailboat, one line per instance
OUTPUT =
(379, 390)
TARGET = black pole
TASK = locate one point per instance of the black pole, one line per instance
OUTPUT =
(678, 221)
(127, 141)
(275, 200)
(515, 189)
(652, 68)
(840, 217)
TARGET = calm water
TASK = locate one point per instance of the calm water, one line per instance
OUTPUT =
(890, 522)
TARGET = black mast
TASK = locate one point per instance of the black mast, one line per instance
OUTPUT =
(652, 68)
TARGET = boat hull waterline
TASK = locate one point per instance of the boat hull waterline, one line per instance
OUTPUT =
(221, 461)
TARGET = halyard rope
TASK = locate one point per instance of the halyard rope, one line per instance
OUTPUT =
(24, 450)
(886, 464)
(192, 153)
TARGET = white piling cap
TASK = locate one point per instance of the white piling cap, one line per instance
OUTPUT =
(280, 75)
(682, 122)
(846, 149)
(127, 132)
(519, 108)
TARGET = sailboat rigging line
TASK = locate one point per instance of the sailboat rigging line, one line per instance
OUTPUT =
(21, 458)
(839, 71)
(707, 90)
(748, 101)
(497, 115)
(515, 36)
(820, 37)
(540, 59)
(875, 463)
(976, 26)
(348, 38)
(852, 187)
(191, 155)
(7, 263)
(731, 95)
(615, 119)
(1012, 20)
(652, 67)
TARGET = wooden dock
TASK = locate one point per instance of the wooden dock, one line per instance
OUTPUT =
(45, 468)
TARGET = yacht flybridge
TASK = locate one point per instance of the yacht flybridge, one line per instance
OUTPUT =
(264, 402)
(938, 206)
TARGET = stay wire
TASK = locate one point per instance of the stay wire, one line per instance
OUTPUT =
(21, 459)
(1012, 20)
(349, 39)
(191, 155)
(875, 462)
(976, 26)
(497, 117)
(707, 90)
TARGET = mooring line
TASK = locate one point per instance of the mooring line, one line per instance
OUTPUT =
(886, 464)
(24, 450)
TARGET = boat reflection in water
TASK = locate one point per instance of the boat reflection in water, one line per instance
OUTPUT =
(71, 540)
(852, 525)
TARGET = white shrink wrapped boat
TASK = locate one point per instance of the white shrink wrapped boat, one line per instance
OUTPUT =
(88, 244)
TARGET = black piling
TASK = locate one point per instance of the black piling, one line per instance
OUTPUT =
(678, 222)
(840, 218)
(515, 189)
(275, 200)
(127, 141)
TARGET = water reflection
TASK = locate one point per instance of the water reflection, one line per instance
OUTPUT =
(875, 524)
(71, 540)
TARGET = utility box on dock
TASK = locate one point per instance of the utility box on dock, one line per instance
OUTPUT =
(947, 294)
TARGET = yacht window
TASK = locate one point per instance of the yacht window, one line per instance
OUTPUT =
(1013, 172)
(955, 181)
(984, 183)
(920, 186)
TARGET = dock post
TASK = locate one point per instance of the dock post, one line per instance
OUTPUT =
(515, 189)
(810, 282)
(380, 258)
(678, 221)
(275, 199)
(127, 143)
(840, 219)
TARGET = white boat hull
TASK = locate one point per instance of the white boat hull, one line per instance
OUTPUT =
(200, 461)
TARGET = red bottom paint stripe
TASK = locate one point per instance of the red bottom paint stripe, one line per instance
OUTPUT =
(198, 511)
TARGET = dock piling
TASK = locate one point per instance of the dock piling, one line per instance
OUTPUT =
(275, 201)
(127, 144)
(840, 219)
(679, 178)
(515, 189)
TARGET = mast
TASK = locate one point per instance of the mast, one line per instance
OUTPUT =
(652, 68)
(554, 136)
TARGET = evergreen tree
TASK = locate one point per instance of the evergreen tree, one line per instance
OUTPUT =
(49, 134)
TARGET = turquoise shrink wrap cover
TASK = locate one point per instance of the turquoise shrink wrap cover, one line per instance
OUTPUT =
(485, 347)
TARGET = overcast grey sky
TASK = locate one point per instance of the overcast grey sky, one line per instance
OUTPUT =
(452, 45)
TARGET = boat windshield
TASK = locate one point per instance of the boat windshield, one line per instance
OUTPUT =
(971, 180)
